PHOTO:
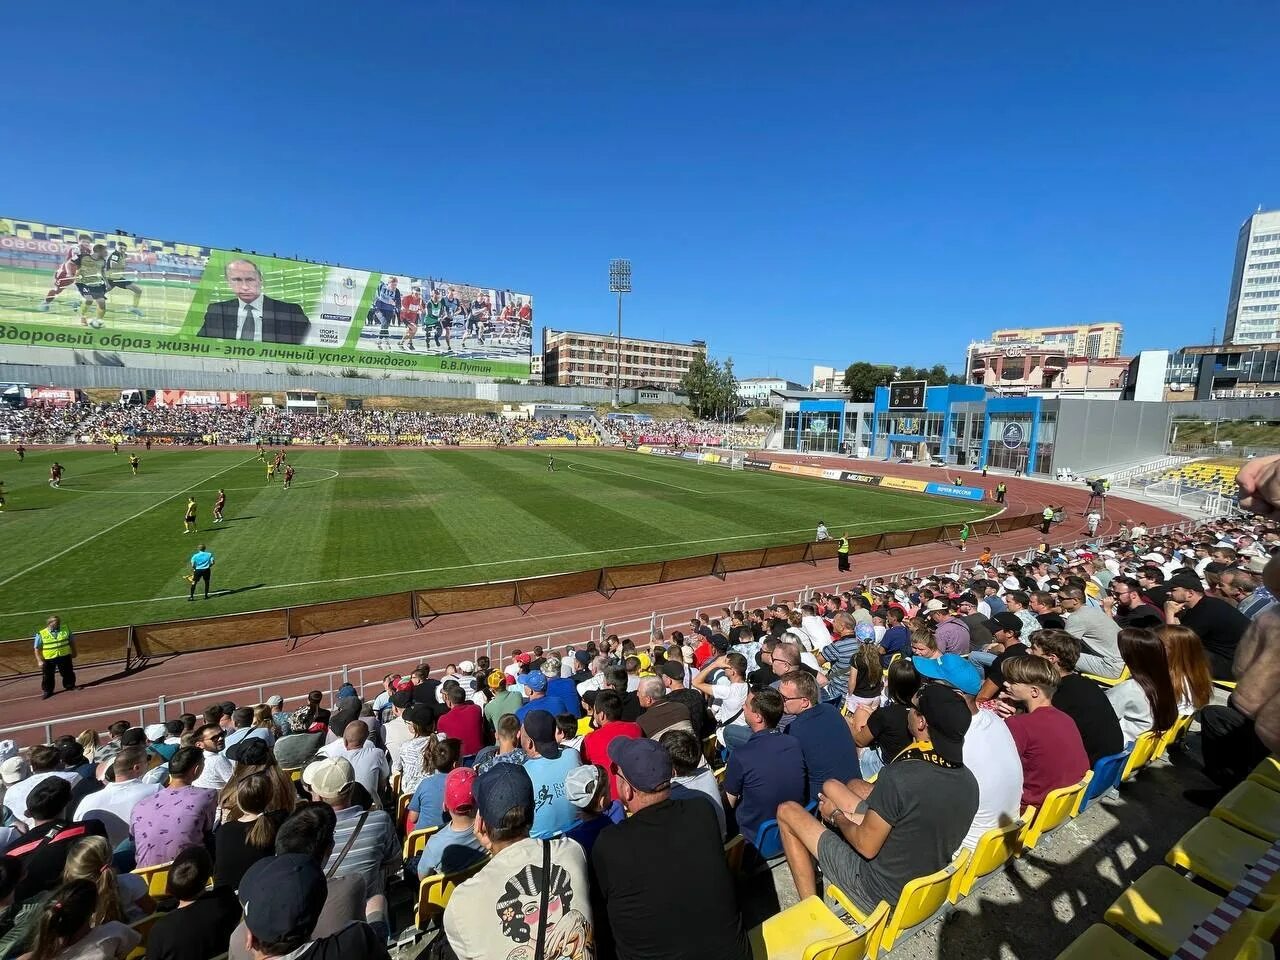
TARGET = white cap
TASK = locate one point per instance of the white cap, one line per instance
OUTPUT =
(1011, 582)
(7, 749)
(155, 731)
(14, 770)
(466, 666)
(934, 606)
(1153, 557)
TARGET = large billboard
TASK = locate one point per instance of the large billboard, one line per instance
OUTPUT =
(104, 292)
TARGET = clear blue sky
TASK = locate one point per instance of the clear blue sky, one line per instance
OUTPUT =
(796, 183)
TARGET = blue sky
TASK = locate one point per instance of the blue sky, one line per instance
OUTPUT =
(794, 183)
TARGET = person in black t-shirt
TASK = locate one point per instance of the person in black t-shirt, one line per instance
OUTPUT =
(1005, 628)
(1217, 623)
(1126, 606)
(764, 676)
(43, 849)
(1080, 699)
(1151, 584)
(672, 674)
(201, 926)
(282, 898)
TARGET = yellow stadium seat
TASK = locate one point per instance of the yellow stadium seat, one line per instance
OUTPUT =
(416, 842)
(995, 848)
(810, 931)
(1144, 748)
(295, 773)
(584, 726)
(402, 809)
(143, 929)
(1219, 854)
(157, 878)
(1252, 807)
(434, 893)
(1161, 909)
(719, 774)
(1267, 773)
(396, 779)
(1171, 736)
(1058, 807)
(1224, 684)
(1107, 681)
(921, 901)
(1100, 942)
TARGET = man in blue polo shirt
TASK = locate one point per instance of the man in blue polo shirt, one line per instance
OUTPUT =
(766, 770)
(201, 569)
(824, 737)
(536, 684)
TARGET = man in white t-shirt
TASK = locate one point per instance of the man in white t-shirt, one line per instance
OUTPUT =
(367, 759)
(728, 695)
(21, 777)
(815, 629)
(217, 768)
(991, 754)
(113, 804)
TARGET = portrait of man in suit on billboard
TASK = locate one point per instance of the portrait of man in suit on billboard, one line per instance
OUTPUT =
(251, 315)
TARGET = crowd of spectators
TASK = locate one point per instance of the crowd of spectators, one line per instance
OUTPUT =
(690, 433)
(102, 423)
(883, 728)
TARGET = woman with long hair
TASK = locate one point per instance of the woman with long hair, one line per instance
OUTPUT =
(422, 728)
(261, 760)
(120, 897)
(67, 921)
(1188, 667)
(881, 732)
(438, 758)
(1147, 700)
(88, 739)
(242, 842)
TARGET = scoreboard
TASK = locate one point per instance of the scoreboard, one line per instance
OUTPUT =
(907, 395)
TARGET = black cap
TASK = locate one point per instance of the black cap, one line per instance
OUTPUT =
(401, 699)
(540, 725)
(1185, 579)
(1004, 621)
(673, 670)
(948, 718)
(283, 897)
(250, 750)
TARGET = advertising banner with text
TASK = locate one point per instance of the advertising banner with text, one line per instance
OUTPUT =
(96, 292)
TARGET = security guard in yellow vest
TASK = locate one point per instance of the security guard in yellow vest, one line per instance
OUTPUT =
(55, 650)
(842, 553)
(1046, 519)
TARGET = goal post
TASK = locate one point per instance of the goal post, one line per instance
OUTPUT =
(722, 457)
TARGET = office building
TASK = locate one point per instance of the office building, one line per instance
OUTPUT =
(575, 359)
(1097, 340)
(1253, 305)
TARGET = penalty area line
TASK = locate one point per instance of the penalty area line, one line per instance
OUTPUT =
(476, 566)
(119, 523)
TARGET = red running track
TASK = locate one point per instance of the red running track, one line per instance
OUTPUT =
(189, 680)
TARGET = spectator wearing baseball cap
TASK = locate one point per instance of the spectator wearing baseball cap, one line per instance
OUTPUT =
(633, 863)
(587, 787)
(454, 846)
(506, 698)
(278, 716)
(905, 825)
(1217, 623)
(540, 698)
(283, 897)
(562, 687)
(490, 914)
(1048, 740)
(548, 765)
(1006, 629)
(365, 842)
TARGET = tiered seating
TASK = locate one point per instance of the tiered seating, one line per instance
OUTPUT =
(811, 930)
(1164, 907)
(1209, 475)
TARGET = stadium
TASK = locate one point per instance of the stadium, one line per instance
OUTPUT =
(386, 550)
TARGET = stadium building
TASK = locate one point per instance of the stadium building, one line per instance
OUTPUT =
(571, 358)
(969, 427)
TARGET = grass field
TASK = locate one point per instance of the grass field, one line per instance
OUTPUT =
(108, 548)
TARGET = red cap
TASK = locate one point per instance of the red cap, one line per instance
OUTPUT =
(457, 790)
(524, 658)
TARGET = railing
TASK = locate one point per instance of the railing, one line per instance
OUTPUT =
(138, 642)
(1147, 469)
(368, 678)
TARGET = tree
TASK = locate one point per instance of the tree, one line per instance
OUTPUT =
(711, 387)
(862, 378)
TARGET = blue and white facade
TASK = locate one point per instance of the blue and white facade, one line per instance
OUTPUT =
(967, 427)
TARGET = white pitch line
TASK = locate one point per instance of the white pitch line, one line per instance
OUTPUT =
(121, 523)
(635, 476)
(488, 563)
(334, 474)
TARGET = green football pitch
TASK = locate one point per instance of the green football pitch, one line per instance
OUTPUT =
(108, 548)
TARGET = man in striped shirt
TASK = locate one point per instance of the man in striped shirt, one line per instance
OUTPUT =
(386, 308)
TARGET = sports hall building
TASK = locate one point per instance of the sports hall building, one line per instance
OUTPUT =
(968, 427)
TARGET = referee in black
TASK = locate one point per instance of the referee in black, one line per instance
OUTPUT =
(201, 569)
